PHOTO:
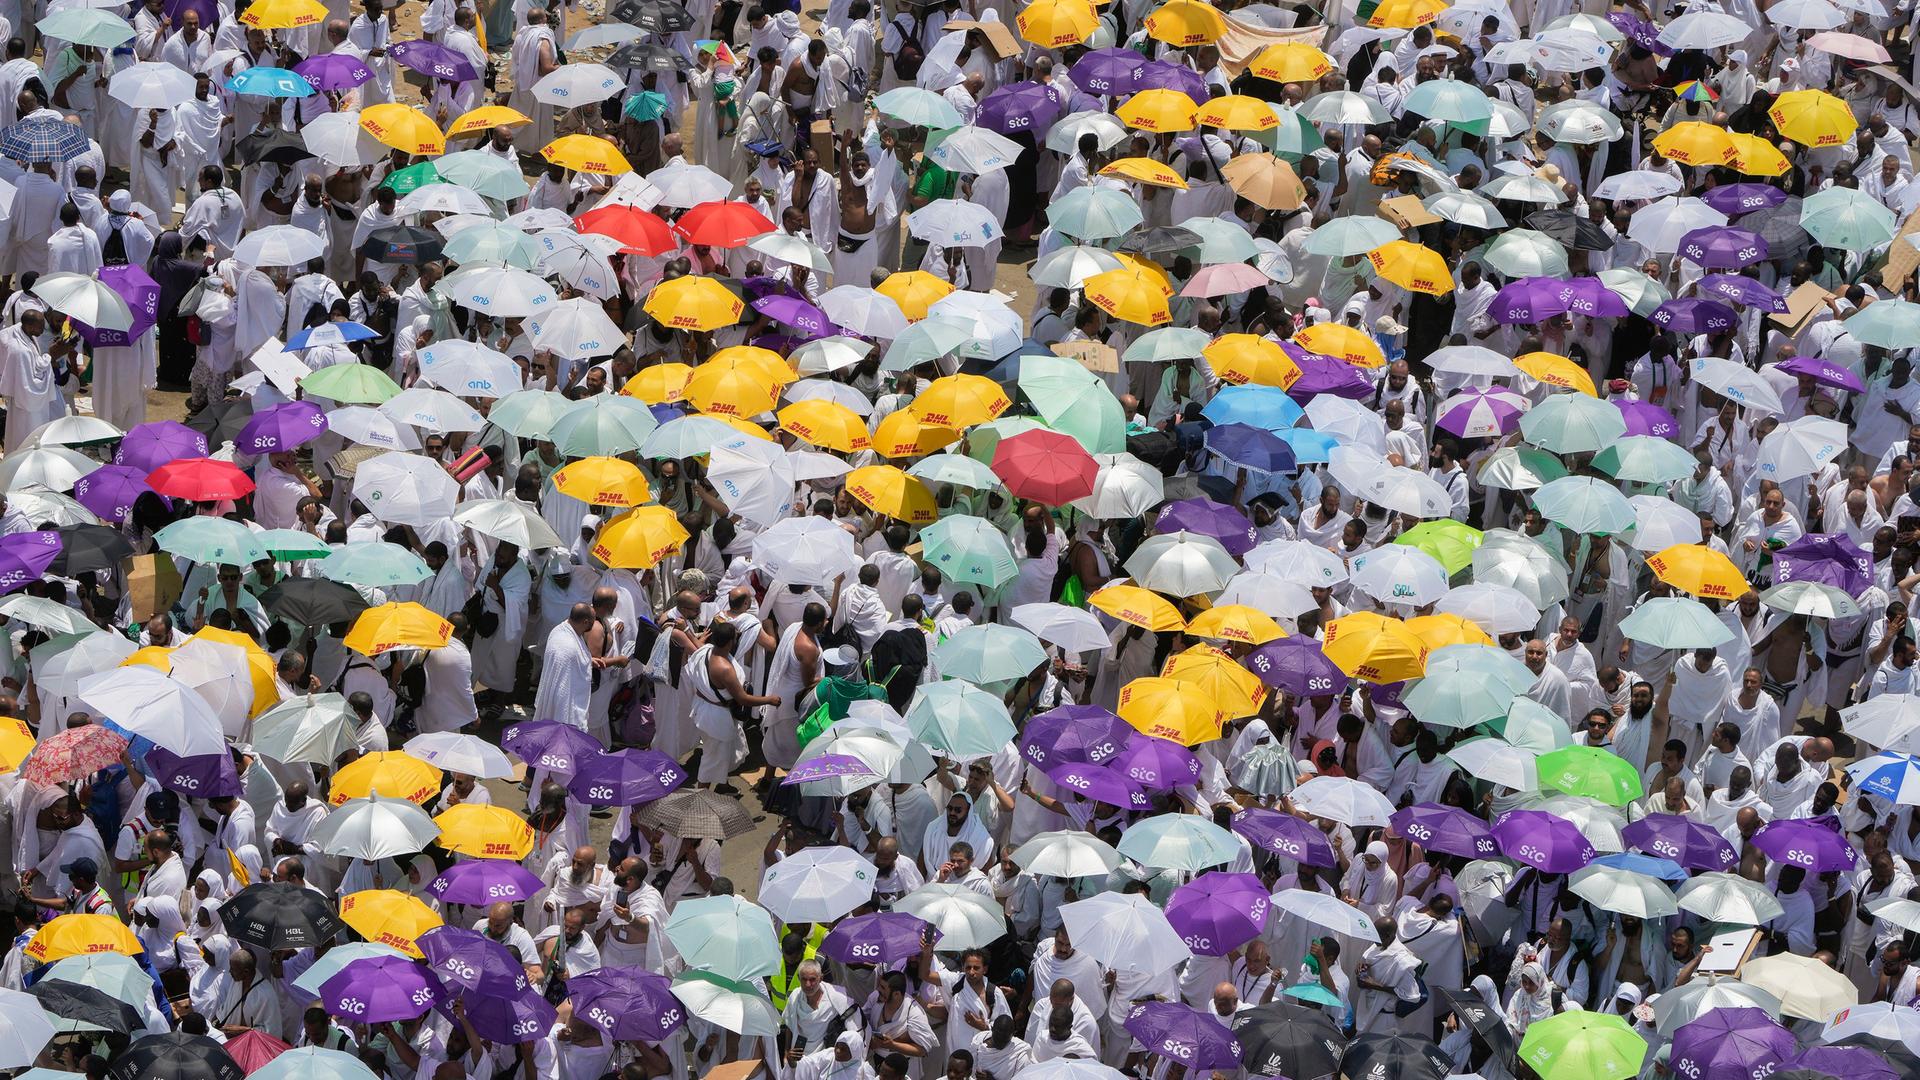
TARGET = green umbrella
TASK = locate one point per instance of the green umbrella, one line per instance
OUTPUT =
(1530, 725)
(1572, 424)
(725, 935)
(917, 107)
(86, 26)
(1847, 218)
(1642, 293)
(961, 719)
(1459, 103)
(482, 174)
(1585, 505)
(969, 549)
(1450, 542)
(1293, 138)
(602, 426)
(1645, 459)
(1519, 468)
(1095, 213)
(928, 339)
(1583, 1046)
(645, 105)
(990, 653)
(355, 384)
(1351, 236)
(983, 439)
(1167, 343)
(685, 437)
(957, 469)
(293, 544)
(1467, 685)
(1526, 253)
(493, 243)
(376, 564)
(1890, 324)
(1220, 241)
(1591, 771)
(1314, 993)
(210, 540)
(726, 1003)
(1675, 622)
(404, 180)
(119, 977)
(528, 413)
(1075, 401)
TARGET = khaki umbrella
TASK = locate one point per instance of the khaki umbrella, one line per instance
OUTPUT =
(1265, 180)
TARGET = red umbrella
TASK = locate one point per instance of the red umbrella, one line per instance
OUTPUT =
(199, 480)
(723, 224)
(642, 233)
(253, 1049)
(1045, 466)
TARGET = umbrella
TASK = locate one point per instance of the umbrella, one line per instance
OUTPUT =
(1344, 800)
(1731, 1044)
(726, 1003)
(1066, 854)
(1181, 564)
(1705, 996)
(1728, 898)
(480, 882)
(375, 828)
(964, 918)
(1403, 1057)
(959, 719)
(175, 1055)
(627, 1003)
(471, 961)
(1544, 841)
(879, 938)
(1401, 574)
(1692, 844)
(699, 814)
(380, 989)
(1584, 1045)
(1181, 1033)
(989, 653)
(1179, 842)
(1445, 829)
(1813, 844)
(1068, 733)
(1124, 932)
(86, 1005)
(1807, 988)
(1611, 888)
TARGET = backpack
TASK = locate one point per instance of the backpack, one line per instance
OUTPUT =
(907, 61)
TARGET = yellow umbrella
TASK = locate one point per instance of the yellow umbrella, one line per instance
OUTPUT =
(157, 657)
(1700, 570)
(484, 832)
(402, 625)
(1556, 370)
(1447, 629)
(1813, 118)
(486, 118)
(395, 774)
(285, 14)
(659, 384)
(639, 538)
(693, 302)
(1371, 646)
(1756, 156)
(1181, 23)
(1056, 24)
(960, 401)
(1130, 295)
(1234, 690)
(1159, 109)
(1692, 142)
(887, 490)
(1291, 61)
(403, 127)
(775, 366)
(915, 291)
(744, 427)
(586, 153)
(603, 481)
(901, 434)
(1238, 112)
(1146, 266)
(731, 389)
(1250, 358)
(80, 935)
(1170, 709)
(1265, 180)
(390, 918)
(1406, 14)
(1342, 341)
(1412, 266)
(827, 424)
(16, 742)
(1138, 606)
(1235, 622)
(260, 666)
(1146, 171)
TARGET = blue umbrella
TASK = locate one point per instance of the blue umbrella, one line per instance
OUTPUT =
(43, 138)
(1266, 407)
(1251, 447)
(1635, 862)
(271, 82)
(1889, 776)
(1310, 447)
(331, 333)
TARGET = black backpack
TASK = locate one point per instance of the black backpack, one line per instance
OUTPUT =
(907, 61)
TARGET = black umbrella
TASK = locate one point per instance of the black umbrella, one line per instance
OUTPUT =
(1160, 239)
(647, 56)
(1898, 1054)
(175, 1055)
(1474, 1012)
(701, 814)
(401, 244)
(1394, 1057)
(1570, 229)
(222, 420)
(276, 915)
(279, 146)
(87, 1005)
(1780, 228)
(659, 16)
(89, 547)
(313, 602)
(1283, 1039)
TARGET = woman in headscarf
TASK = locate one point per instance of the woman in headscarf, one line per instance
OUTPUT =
(157, 923)
(1532, 1000)
(1370, 884)
(206, 966)
(200, 905)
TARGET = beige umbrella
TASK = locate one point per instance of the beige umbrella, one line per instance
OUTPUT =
(1265, 180)
(1806, 987)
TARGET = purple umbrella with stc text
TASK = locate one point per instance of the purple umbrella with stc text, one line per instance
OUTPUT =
(334, 71)
(1101, 783)
(548, 744)
(1085, 733)
(25, 556)
(1022, 106)
(1296, 665)
(468, 960)
(1105, 72)
(109, 491)
(1218, 912)
(1325, 375)
(1589, 296)
(1528, 300)
(1157, 764)
(1183, 1035)
(1640, 32)
(1690, 843)
(1723, 247)
(1731, 1043)
(880, 938)
(202, 776)
(1160, 75)
(797, 313)
(280, 428)
(1646, 418)
(1743, 291)
(1481, 412)
(1544, 841)
(1815, 845)
(515, 1018)
(436, 60)
(1286, 835)
(1824, 372)
(142, 295)
(150, 445)
(1829, 558)
(627, 1003)
(480, 882)
(1732, 199)
(1209, 518)
(1445, 829)
(1851, 1062)
(625, 778)
(209, 13)
(379, 989)
(1695, 315)
(827, 767)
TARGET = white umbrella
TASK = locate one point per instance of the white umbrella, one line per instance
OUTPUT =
(312, 729)
(1729, 898)
(1268, 593)
(1465, 208)
(1074, 630)
(84, 298)
(40, 503)
(151, 84)
(1807, 988)
(805, 551)
(469, 369)
(455, 752)
(1181, 564)
(1878, 1019)
(864, 311)
(1682, 1005)
(974, 150)
(1526, 189)
(1598, 822)
(441, 198)
(1806, 15)
(824, 356)
(1637, 186)
(144, 702)
(510, 522)
(1124, 487)
(966, 919)
(752, 476)
(1297, 560)
(1611, 888)
(1738, 383)
(1569, 50)
(604, 34)
(817, 885)
(1324, 910)
(338, 139)
(582, 267)
(1519, 562)
(1660, 523)
(953, 223)
(500, 291)
(406, 489)
(375, 828)
(1497, 762)
(794, 250)
(60, 664)
(217, 672)
(1899, 911)
(1660, 225)
(1400, 574)
(826, 390)
(1888, 721)
(27, 1029)
(683, 185)
(1596, 25)
(1064, 135)
(1704, 30)
(1067, 853)
(73, 430)
(816, 465)
(1343, 107)
(1069, 267)
(277, 245)
(1814, 598)
(40, 612)
(576, 329)
(734, 1006)
(1342, 799)
(1801, 448)
(1497, 609)
(1124, 932)
(1465, 360)
(573, 86)
(995, 327)
(1391, 487)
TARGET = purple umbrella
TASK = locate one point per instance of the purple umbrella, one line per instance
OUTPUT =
(484, 881)
(1731, 1043)
(468, 960)
(1639, 31)
(881, 938)
(1157, 764)
(281, 428)
(1590, 296)
(1218, 912)
(1723, 247)
(1160, 75)
(1251, 448)
(1296, 665)
(1107, 72)
(625, 778)
(334, 71)
(1829, 558)
(109, 491)
(202, 776)
(1324, 375)
(548, 744)
(1022, 106)
(378, 989)
(1690, 843)
(142, 295)
(515, 1018)
(1813, 844)
(1824, 372)
(1085, 733)
(1546, 842)
(1101, 783)
(1743, 291)
(1185, 1035)
(25, 556)
(1731, 199)
(1209, 518)
(176, 10)
(797, 313)
(148, 446)
(1646, 418)
(1286, 835)
(1529, 300)
(827, 767)
(627, 1003)
(1445, 829)
(1695, 316)
(1852, 1062)
(1474, 408)
(427, 58)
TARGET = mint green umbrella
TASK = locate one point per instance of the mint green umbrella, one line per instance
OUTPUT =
(1591, 772)
(602, 426)
(493, 243)
(86, 26)
(1675, 622)
(1075, 401)
(957, 469)
(989, 653)
(970, 549)
(1293, 138)
(1519, 468)
(1572, 424)
(1167, 343)
(1645, 459)
(1459, 103)
(1351, 236)
(725, 935)
(528, 413)
(1526, 253)
(350, 384)
(1466, 685)
(1095, 213)
(483, 174)
(1220, 241)
(918, 107)
(293, 544)
(1890, 324)
(1585, 505)
(210, 540)
(928, 339)
(1530, 725)
(1847, 218)
(961, 719)
(1178, 842)
(1642, 293)
(377, 564)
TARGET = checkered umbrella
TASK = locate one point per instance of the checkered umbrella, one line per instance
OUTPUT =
(43, 139)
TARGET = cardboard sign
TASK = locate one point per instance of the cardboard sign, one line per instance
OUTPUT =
(1802, 303)
(1094, 356)
(153, 584)
(1407, 211)
(999, 38)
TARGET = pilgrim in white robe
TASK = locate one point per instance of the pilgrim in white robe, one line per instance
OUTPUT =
(495, 657)
(566, 679)
(27, 383)
(449, 703)
(530, 45)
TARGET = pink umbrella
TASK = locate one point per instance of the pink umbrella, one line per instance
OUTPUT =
(1224, 279)
(1851, 46)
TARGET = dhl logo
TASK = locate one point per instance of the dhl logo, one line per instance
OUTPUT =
(495, 847)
